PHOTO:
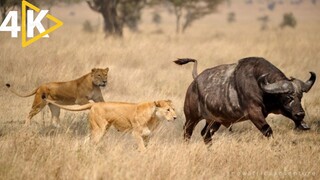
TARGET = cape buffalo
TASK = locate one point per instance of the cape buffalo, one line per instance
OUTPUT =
(248, 90)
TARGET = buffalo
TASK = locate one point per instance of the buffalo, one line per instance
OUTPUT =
(248, 90)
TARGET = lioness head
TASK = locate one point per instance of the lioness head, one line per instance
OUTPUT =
(99, 76)
(165, 110)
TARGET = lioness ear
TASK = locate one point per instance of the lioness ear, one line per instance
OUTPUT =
(169, 101)
(107, 69)
(157, 103)
(94, 70)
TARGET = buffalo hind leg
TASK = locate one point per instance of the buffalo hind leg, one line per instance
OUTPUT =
(208, 130)
(189, 127)
(37, 106)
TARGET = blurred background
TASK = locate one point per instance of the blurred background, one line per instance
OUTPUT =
(168, 17)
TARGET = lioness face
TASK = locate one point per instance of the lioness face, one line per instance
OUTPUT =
(165, 110)
(99, 76)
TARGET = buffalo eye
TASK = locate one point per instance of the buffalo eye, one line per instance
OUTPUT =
(289, 98)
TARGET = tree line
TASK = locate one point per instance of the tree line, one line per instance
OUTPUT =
(118, 14)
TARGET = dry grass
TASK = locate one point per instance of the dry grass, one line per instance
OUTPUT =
(141, 69)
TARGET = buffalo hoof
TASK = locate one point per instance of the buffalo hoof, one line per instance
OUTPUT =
(303, 126)
(267, 131)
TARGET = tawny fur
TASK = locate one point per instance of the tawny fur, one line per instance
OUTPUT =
(78, 91)
(140, 118)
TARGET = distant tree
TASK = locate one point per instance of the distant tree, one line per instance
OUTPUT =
(192, 10)
(177, 10)
(288, 20)
(118, 13)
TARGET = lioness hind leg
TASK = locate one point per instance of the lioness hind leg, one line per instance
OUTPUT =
(37, 106)
(97, 134)
(98, 128)
(55, 112)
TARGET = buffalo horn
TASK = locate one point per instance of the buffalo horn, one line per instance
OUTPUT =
(283, 86)
(306, 86)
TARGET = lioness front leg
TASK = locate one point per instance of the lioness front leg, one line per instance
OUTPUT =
(146, 135)
(139, 139)
(98, 97)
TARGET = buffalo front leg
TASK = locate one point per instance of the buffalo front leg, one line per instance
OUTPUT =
(301, 125)
(257, 118)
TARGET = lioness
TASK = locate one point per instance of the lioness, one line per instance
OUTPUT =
(78, 91)
(141, 118)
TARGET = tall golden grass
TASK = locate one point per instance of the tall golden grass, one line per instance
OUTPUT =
(141, 69)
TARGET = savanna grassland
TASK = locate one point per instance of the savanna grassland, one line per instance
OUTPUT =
(141, 69)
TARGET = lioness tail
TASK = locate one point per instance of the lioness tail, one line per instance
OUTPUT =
(20, 95)
(69, 107)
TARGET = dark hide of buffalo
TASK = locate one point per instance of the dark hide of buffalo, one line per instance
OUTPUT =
(248, 90)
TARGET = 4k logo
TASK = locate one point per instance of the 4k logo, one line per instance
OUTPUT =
(28, 23)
